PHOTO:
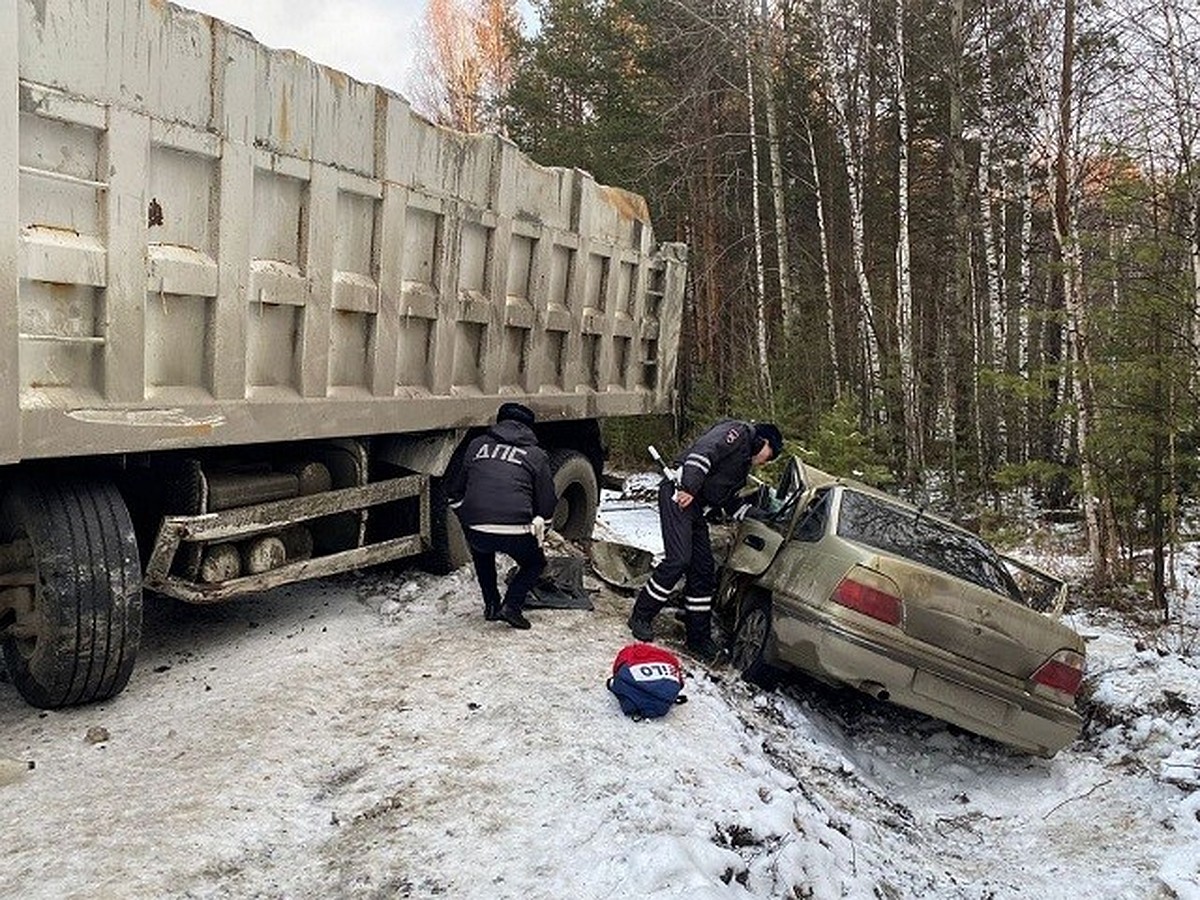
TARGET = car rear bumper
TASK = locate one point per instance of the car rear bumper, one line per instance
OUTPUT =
(920, 679)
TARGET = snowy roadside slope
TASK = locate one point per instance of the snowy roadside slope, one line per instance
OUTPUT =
(335, 750)
(371, 736)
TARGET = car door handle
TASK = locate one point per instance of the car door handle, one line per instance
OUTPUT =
(754, 541)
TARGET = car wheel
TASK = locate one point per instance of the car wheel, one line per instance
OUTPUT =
(730, 590)
(578, 494)
(750, 640)
(71, 560)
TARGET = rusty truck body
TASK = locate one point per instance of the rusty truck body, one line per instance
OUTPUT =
(250, 311)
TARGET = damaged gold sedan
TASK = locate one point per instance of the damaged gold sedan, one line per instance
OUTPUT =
(855, 587)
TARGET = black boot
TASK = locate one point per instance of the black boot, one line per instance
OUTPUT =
(491, 610)
(641, 620)
(512, 615)
(700, 643)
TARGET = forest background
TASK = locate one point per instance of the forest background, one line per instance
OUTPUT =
(951, 246)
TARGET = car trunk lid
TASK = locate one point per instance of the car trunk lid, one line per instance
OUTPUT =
(974, 623)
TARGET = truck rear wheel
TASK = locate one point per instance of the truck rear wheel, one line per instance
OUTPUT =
(448, 549)
(74, 590)
(578, 494)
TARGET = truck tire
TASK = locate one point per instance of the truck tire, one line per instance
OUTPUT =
(78, 643)
(578, 494)
(448, 548)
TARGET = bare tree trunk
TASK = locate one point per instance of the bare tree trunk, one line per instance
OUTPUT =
(709, 289)
(992, 319)
(1025, 291)
(1019, 336)
(913, 455)
(961, 332)
(787, 299)
(826, 274)
(1172, 480)
(1195, 249)
(766, 389)
(1045, 341)
(867, 333)
(1003, 278)
(1066, 233)
(1158, 585)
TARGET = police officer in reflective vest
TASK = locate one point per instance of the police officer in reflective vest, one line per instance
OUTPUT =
(503, 494)
(708, 474)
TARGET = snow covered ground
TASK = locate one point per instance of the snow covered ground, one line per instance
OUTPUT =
(370, 735)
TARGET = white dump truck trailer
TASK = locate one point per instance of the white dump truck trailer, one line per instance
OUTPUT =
(251, 310)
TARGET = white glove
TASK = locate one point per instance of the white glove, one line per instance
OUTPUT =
(741, 511)
(538, 529)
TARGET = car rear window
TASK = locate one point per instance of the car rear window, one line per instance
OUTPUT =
(905, 532)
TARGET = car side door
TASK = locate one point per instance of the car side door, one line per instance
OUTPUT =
(798, 573)
(757, 539)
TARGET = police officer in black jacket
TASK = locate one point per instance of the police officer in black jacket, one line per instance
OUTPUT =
(707, 475)
(503, 494)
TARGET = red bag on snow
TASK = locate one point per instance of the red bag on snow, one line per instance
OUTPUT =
(647, 681)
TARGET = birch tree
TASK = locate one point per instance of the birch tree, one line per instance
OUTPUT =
(961, 376)
(990, 341)
(1019, 336)
(765, 385)
(496, 26)
(787, 300)
(1067, 238)
(826, 274)
(464, 62)
(911, 396)
(1041, 303)
(842, 63)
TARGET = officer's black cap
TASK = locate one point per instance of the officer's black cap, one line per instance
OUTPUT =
(515, 412)
(768, 432)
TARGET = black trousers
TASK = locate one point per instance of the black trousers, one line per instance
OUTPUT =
(687, 550)
(524, 551)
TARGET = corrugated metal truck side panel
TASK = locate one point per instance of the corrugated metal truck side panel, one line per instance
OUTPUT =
(10, 420)
(206, 241)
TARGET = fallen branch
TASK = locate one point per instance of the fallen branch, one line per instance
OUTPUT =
(1080, 797)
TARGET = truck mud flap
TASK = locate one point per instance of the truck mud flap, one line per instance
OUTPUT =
(178, 532)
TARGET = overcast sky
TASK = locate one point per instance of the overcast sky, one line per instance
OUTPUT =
(371, 40)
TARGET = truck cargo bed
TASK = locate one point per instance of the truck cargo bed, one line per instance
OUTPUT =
(205, 241)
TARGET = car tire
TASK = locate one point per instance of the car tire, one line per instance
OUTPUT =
(751, 637)
(76, 551)
(730, 589)
(578, 495)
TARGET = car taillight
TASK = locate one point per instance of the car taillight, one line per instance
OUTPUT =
(868, 600)
(1061, 672)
